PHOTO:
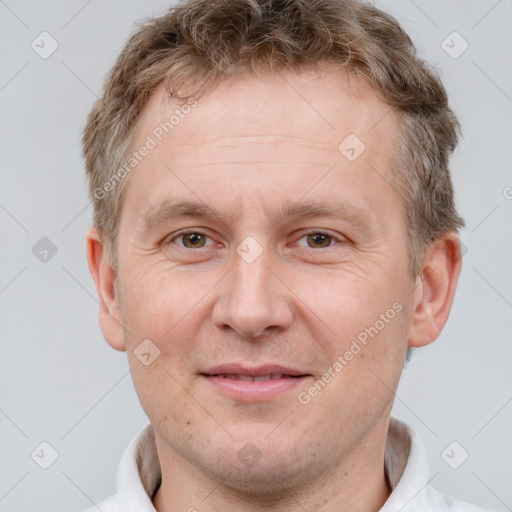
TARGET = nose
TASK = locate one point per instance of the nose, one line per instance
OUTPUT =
(252, 299)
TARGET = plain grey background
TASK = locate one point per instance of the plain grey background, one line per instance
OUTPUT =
(63, 385)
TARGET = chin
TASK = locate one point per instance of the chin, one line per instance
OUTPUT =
(265, 482)
(278, 470)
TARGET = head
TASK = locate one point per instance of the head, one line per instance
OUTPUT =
(304, 147)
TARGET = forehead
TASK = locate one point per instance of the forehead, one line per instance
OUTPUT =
(260, 130)
(323, 104)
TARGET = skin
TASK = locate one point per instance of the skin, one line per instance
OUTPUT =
(248, 148)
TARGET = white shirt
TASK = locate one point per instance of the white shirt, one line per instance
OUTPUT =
(405, 463)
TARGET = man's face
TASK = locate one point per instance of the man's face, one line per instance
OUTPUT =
(296, 246)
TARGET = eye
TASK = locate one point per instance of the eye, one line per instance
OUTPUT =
(191, 240)
(318, 240)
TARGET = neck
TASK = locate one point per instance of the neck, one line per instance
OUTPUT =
(358, 482)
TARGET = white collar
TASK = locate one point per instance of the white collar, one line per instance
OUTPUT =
(405, 464)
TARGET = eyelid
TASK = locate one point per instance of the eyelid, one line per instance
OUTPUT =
(337, 238)
(187, 231)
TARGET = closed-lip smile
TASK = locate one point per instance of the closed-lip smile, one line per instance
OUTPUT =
(256, 383)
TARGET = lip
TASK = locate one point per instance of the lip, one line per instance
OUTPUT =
(258, 390)
(254, 371)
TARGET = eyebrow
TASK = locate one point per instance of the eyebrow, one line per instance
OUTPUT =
(174, 209)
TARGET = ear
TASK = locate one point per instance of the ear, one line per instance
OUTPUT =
(435, 289)
(104, 278)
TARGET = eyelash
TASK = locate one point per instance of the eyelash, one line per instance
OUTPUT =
(196, 232)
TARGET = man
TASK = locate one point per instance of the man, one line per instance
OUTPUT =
(274, 229)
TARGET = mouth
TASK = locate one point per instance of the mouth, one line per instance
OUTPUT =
(253, 378)
(253, 384)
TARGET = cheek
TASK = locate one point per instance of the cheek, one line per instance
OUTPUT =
(364, 336)
(344, 303)
(156, 302)
(168, 309)
(365, 362)
(160, 393)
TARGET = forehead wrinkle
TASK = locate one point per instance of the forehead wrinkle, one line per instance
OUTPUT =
(234, 140)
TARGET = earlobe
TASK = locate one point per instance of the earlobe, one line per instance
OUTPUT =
(104, 278)
(435, 289)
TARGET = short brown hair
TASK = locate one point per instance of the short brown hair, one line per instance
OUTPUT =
(200, 42)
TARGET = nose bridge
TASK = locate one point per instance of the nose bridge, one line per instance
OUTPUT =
(252, 300)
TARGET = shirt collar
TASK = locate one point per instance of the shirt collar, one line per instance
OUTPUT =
(139, 473)
(405, 464)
